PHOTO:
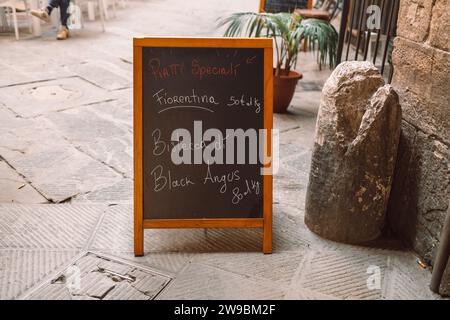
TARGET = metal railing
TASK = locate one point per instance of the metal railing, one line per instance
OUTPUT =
(367, 30)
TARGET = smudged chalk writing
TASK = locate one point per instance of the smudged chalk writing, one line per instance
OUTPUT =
(201, 70)
(164, 180)
(251, 187)
(163, 99)
(163, 72)
(223, 179)
(244, 101)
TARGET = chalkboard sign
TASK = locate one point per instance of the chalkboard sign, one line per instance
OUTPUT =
(275, 6)
(202, 134)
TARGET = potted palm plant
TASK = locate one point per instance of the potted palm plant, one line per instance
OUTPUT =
(289, 32)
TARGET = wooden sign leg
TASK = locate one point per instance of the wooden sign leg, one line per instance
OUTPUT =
(138, 239)
(267, 236)
(267, 227)
(138, 242)
(138, 225)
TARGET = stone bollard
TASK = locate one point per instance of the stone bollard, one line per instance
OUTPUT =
(354, 155)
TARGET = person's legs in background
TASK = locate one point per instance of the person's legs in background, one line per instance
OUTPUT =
(52, 4)
(63, 7)
(44, 14)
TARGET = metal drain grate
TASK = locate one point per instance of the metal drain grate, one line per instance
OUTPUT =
(95, 277)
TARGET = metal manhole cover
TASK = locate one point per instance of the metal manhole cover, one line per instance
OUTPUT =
(94, 277)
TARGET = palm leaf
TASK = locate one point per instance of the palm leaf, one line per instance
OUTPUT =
(320, 34)
(289, 31)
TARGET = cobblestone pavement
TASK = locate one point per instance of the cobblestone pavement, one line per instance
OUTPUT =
(66, 184)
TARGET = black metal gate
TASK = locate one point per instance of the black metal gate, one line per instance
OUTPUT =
(367, 30)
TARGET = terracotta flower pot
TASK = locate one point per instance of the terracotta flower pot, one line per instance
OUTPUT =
(283, 90)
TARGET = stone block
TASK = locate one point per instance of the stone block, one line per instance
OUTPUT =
(440, 25)
(422, 80)
(413, 65)
(414, 19)
(353, 160)
(440, 90)
(420, 190)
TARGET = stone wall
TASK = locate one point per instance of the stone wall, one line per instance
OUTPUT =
(421, 189)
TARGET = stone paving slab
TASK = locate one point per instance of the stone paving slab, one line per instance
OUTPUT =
(52, 173)
(55, 167)
(279, 267)
(116, 234)
(33, 99)
(55, 227)
(118, 47)
(21, 269)
(301, 135)
(119, 111)
(104, 75)
(20, 69)
(107, 141)
(316, 271)
(15, 189)
(120, 192)
(10, 76)
(305, 294)
(299, 164)
(292, 177)
(344, 271)
(95, 277)
(407, 280)
(293, 194)
(169, 263)
(341, 274)
(203, 282)
(39, 61)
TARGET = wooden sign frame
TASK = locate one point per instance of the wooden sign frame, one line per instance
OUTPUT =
(262, 5)
(139, 222)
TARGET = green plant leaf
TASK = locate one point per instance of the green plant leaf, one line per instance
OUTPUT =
(289, 31)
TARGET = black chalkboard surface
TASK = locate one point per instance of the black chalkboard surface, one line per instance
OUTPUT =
(202, 134)
(275, 6)
(186, 191)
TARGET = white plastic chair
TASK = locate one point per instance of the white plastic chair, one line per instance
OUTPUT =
(90, 6)
(14, 9)
(105, 4)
